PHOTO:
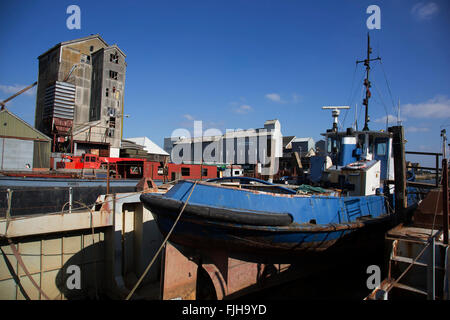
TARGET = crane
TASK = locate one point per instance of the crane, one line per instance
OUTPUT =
(2, 103)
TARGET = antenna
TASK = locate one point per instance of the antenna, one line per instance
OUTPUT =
(399, 122)
(367, 82)
(335, 112)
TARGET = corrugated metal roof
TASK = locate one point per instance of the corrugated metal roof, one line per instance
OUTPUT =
(12, 126)
(126, 144)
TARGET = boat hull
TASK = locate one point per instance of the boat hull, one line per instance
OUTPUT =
(297, 238)
(267, 243)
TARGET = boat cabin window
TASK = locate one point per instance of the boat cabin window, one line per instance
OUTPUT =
(381, 149)
(362, 141)
(333, 145)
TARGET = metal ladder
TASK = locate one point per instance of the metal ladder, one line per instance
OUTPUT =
(436, 271)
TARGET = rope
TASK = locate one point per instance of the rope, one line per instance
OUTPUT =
(20, 261)
(93, 243)
(435, 211)
(387, 83)
(353, 94)
(409, 267)
(350, 95)
(384, 105)
(160, 248)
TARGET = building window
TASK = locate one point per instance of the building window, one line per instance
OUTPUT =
(112, 122)
(204, 172)
(84, 58)
(113, 74)
(114, 58)
(107, 92)
(91, 48)
(185, 172)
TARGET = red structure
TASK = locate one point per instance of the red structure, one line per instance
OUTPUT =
(172, 171)
(93, 166)
(135, 168)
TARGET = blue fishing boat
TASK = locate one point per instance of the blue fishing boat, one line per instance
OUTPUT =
(349, 201)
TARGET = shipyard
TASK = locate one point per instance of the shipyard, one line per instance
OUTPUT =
(181, 157)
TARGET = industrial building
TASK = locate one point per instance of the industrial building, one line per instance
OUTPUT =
(259, 147)
(80, 94)
(22, 147)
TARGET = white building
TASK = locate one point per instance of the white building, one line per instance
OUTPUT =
(261, 146)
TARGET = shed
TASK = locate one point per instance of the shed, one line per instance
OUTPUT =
(22, 147)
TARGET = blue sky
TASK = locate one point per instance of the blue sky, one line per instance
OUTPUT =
(235, 64)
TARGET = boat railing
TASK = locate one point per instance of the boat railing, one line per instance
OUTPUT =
(435, 169)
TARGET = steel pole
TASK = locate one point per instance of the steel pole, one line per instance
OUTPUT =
(70, 199)
(445, 199)
(107, 179)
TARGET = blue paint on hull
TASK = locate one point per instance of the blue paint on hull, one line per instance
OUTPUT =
(319, 222)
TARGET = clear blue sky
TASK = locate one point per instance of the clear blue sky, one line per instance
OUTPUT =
(235, 64)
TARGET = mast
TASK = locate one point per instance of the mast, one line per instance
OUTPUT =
(367, 82)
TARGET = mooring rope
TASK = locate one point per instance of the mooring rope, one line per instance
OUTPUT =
(162, 245)
(93, 243)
